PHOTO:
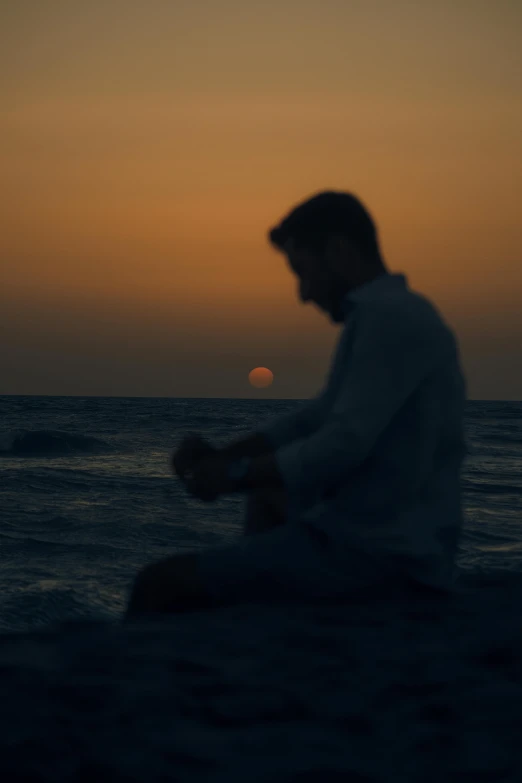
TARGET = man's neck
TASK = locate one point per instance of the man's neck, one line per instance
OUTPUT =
(344, 289)
(365, 279)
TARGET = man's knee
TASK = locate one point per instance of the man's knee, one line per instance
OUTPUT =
(170, 585)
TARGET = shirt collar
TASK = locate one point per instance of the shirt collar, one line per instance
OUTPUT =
(374, 289)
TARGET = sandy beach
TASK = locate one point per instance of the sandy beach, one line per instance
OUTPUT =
(375, 691)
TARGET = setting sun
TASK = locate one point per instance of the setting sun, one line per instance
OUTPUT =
(261, 377)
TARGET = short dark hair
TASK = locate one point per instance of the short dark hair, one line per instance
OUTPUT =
(329, 212)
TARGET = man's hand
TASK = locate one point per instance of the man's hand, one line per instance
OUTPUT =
(208, 479)
(192, 449)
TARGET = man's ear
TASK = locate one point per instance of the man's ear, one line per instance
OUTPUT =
(344, 245)
(339, 248)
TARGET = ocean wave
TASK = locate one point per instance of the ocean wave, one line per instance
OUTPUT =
(51, 602)
(493, 411)
(490, 487)
(39, 443)
(502, 440)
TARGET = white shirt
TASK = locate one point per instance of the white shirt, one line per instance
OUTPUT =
(374, 460)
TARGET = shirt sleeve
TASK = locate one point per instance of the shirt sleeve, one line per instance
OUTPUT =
(393, 352)
(294, 425)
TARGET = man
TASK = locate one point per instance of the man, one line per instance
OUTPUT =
(360, 488)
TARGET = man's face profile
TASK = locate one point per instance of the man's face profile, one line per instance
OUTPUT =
(317, 283)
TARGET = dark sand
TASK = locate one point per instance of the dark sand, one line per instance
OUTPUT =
(391, 690)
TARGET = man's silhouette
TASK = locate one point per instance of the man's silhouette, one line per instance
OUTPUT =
(360, 487)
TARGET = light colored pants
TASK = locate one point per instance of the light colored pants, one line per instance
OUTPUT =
(288, 561)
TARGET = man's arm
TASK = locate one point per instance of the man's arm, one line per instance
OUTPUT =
(296, 424)
(284, 429)
(299, 423)
(394, 352)
(194, 448)
(263, 472)
(209, 476)
(308, 418)
(252, 446)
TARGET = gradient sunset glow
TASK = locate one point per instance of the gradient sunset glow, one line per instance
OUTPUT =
(147, 148)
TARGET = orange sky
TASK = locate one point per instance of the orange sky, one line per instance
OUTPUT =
(147, 147)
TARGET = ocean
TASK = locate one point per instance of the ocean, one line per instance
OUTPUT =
(87, 496)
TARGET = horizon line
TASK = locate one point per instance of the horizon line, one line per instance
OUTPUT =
(239, 399)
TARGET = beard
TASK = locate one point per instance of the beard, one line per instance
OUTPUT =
(337, 305)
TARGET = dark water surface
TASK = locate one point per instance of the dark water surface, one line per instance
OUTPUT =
(87, 497)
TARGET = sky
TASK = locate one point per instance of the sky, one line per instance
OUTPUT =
(146, 148)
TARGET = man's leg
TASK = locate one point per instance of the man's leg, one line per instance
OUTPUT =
(174, 584)
(265, 509)
(170, 585)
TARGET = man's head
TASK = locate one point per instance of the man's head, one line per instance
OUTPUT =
(331, 244)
